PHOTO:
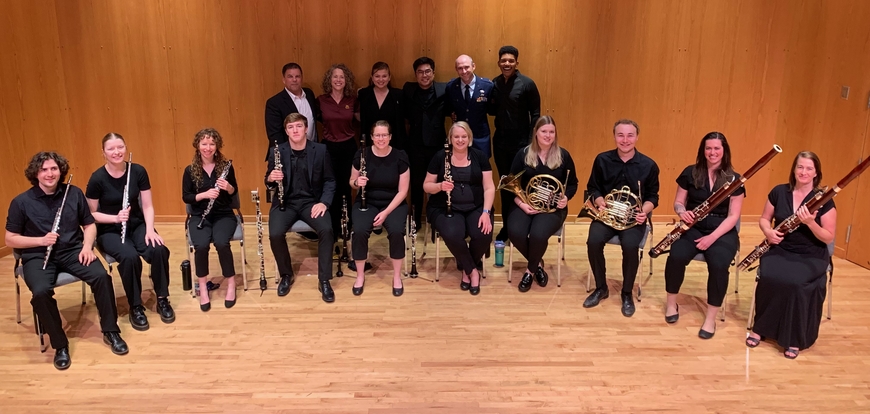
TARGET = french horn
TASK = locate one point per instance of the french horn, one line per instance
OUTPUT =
(620, 211)
(542, 193)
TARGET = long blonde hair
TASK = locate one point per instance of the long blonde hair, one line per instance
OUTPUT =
(554, 155)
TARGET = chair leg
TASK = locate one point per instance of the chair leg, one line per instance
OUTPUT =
(17, 301)
(244, 265)
(84, 293)
(39, 333)
(752, 307)
(193, 292)
(559, 262)
(437, 258)
(736, 272)
(830, 294)
(510, 262)
(589, 280)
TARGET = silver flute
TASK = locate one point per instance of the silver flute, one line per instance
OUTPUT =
(56, 225)
(223, 176)
(126, 201)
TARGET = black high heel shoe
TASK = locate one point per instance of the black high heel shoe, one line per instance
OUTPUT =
(463, 285)
(673, 318)
(398, 291)
(474, 290)
(207, 306)
(359, 290)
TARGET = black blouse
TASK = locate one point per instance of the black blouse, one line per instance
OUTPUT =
(189, 190)
(696, 196)
(383, 175)
(391, 111)
(559, 172)
(802, 241)
(109, 191)
(479, 164)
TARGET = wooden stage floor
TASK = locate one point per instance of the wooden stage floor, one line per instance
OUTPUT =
(436, 349)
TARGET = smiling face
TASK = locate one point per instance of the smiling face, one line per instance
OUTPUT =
(337, 80)
(425, 75)
(48, 176)
(114, 151)
(381, 137)
(207, 148)
(805, 171)
(465, 69)
(459, 138)
(381, 78)
(713, 152)
(546, 135)
(625, 136)
(508, 64)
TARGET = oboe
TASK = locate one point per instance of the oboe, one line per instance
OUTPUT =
(255, 195)
(125, 203)
(342, 258)
(279, 167)
(362, 173)
(412, 233)
(56, 225)
(448, 177)
(223, 176)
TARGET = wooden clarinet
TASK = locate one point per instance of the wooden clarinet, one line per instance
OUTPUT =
(276, 153)
(448, 177)
(362, 172)
(125, 203)
(56, 225)
(255, 196)
(412, 233)
(343, 258)
(208, 208)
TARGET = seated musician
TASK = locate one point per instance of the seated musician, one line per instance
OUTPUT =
(386, 187)
(471, 196)
(105, 195)
(715, 236)
(29, 230)
(529, 230)
(791, 282)
(210, 176)
(307, 187)
(611, 170)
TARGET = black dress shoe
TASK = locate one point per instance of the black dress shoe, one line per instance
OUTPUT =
(284, 284)
(541, 277)
(229, 303)
(352, 266)
(206, 307)
(627, 304)
(705, 335)
(138, 318)
(673, 318)
(167, 315)
(474, 290)
(463, 285)
(359, 290)
(62, 359)
(525, 282)
(398, 291)
(326, 290)
(113, 340)
(597, 296)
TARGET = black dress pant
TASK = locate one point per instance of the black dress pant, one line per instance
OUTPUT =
(280, 223)
(531, 234)
(218, 231)
(363, 223)
(419, 156)
(718, 257)
(341, 154)
(130, 265)
(504, 155)
(455, 229)
(629, 239)
(41, 283)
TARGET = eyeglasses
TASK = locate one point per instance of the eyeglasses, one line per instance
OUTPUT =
(425, 72)
(381, 135)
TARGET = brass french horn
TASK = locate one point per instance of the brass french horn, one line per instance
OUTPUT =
(620, 211)
(542, 193)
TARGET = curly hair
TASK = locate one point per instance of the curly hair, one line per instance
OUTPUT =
(349, 82)
(220, 161)
(32, 171)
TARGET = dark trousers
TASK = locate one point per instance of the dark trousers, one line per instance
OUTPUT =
(718, 257)
(629, 239)
(363, 223)
(341, 154)
(419, 156)
(279, 225)
(531, 234)
(41, 284)
(218, 231)
(455, 229)
(130, 265)
(504, 157)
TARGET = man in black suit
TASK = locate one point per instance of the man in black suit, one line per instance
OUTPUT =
(425, 110)
(304, 187)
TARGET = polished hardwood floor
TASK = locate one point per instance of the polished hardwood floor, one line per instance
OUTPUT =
(435, 349)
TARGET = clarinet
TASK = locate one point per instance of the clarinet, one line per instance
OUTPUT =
(56, 225)
(255, 195)
(412, 232)
(126, 201)
(223, 176)
(342, 258)
(362, 172)
(448, 177)
(279, 167)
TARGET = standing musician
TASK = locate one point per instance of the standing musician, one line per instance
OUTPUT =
(29, 230)
(210, 176)
(386, 186)
(611, 170)
(715, 236)
(381, 101)
(106, 192)
(791, 283)
(529, 230)
(472, 193)
(309, 186)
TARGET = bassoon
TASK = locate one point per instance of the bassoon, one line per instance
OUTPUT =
(718, 196)
(813, 204)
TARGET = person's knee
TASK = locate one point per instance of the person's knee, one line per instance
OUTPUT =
(222, 245)
(41, 293)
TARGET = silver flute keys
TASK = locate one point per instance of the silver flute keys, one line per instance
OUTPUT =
(56, 225)
(125, 203)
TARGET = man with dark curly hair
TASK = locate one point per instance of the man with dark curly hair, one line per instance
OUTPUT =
(29, 230)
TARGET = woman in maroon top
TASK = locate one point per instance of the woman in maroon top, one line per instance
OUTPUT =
(340, 110)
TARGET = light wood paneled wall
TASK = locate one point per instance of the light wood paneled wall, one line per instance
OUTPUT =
(156, 72)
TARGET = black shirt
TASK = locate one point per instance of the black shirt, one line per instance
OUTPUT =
(479, 164)
(189, 190)
(425, 110)
(300, 190)
(109, 191)
(391, 111)
(695, 196)
(383, 175)
(558, 173)
(610, 173)
(517, 106)
(802, 240)
(462, 197)
(32, 213)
